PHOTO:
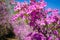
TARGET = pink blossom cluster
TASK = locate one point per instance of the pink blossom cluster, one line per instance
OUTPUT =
(3, 13)
(44, 23)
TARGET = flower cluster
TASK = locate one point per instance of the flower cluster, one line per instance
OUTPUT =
(6, 29)
(44, 23)
(3, 13)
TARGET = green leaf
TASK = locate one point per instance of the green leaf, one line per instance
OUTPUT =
(18, 18)
(26, 21)
(16, 12)
(26, 15)
(59, 31)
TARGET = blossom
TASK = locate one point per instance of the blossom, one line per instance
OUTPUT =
(43, 4)
(15, 16)
(49, 10)
(55, 32)
(42, 22)
(27, 38)
(18, 6)
(55, 12)
(38, 22)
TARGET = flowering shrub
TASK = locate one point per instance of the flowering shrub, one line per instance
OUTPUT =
(6, 30)
(33, 22)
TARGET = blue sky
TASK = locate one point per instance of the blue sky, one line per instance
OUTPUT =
(50, 3)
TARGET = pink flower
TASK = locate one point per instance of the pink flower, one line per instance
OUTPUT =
(51, 37)
(57, 39)
(17, 7)
(55, 32)
(55, 12)
(27, 38)
(49, 9)
(30, 9)
(43, 4)
(16, 30)
(49, 20)
(40, 22)
(14, 17)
